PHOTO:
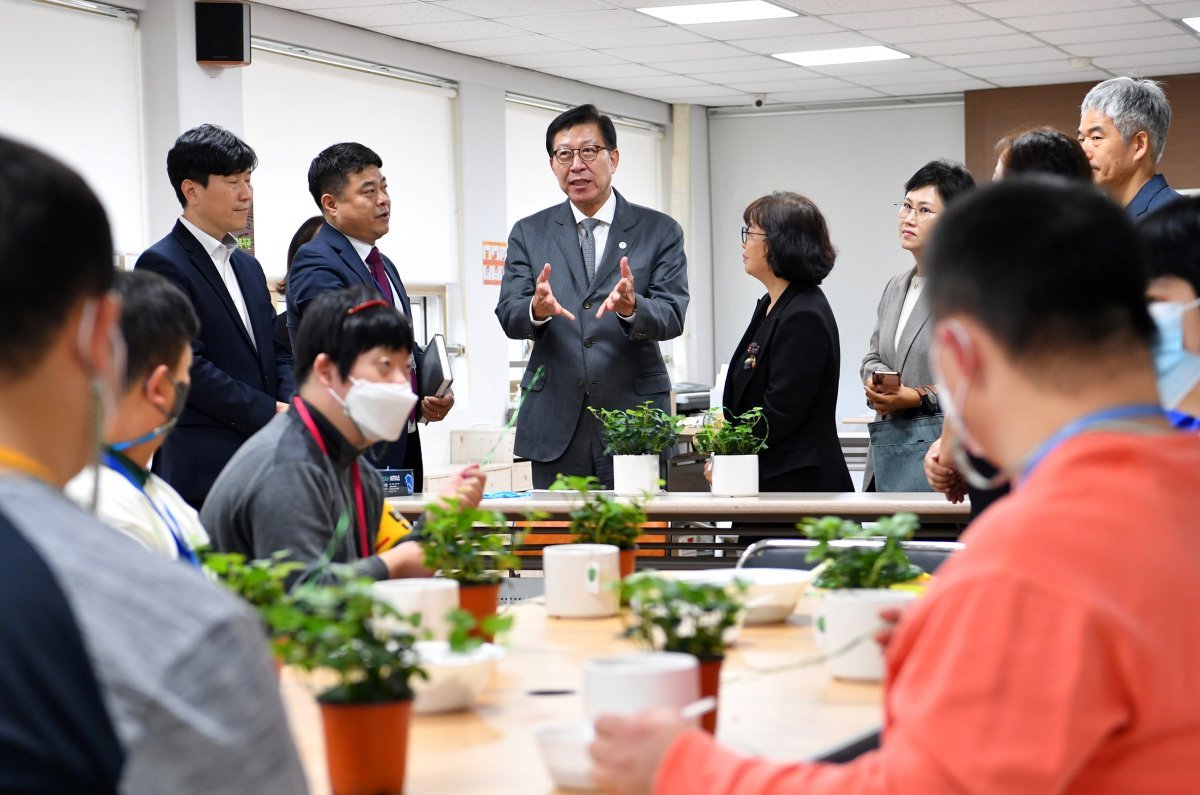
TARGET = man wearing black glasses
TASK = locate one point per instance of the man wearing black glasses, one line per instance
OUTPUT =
(596, 283)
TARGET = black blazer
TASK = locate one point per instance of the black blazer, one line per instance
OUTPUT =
(235, 383)
(329, 262)
(793, 375)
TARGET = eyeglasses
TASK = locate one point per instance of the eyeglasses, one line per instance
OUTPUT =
(587, 154)
(746, 234)
(923, 213)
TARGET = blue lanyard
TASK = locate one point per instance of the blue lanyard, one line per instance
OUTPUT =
(164, 513)
(1114, 418)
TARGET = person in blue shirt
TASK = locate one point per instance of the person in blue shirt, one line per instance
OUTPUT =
(1123, 124)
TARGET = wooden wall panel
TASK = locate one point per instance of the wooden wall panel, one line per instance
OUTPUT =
(992, 114)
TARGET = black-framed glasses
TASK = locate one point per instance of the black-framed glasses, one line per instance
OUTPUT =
(587, 154)
(746, 234)
(923, 213)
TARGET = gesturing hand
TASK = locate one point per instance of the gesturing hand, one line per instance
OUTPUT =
(622, 300)
(544, 303)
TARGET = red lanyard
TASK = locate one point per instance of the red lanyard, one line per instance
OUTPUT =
(356, 476)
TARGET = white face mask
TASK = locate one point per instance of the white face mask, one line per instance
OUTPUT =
(951, 403)
(1177, 369)
(379, 410)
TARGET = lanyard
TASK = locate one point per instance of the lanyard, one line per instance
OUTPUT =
(356, 476)
(164, 513)
(1116, 418)
(12, 459)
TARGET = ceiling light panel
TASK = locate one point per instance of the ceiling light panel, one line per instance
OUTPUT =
(843, 55)
(702, 13)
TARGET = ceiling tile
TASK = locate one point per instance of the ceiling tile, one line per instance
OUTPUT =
(821, 41)
(646, 3)
(793, 84)
(1140, 30)
(678, 94)
(511, 45)
(873, 20)
(1177, 10)
(674, 52)
(854, 70)
(854, 6)
(1132, 62)
(960, 31)
(1083, 19)
(789, 26)
(309, 5)
(986, 58)
(436, 32)
(635, 83)
(936, 49)
(834, 95)
(1019, 69)
(606, 70)
(1049, 78)
(593, 22)
(490, 9)
(937, 87)
(396, 14)
(550, 61)
(1027, 8)
(1168, 69)
(738, 63)
(757, 75)
(640, 37)
(908, 78)
(1122, 46)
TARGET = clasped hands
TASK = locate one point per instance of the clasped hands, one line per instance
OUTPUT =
(622, 300)
(888, 399)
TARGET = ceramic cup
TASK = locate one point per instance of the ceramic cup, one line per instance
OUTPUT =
(432, 597)
(853, 614)
(579, 580)
(625, 684)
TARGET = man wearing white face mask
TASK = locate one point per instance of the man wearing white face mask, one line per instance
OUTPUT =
(302, 477)
(1171, 238)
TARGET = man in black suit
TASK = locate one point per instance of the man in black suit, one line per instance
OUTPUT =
(346, 182)
(241, 377)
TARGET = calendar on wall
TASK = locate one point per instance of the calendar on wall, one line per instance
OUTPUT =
(494, 253)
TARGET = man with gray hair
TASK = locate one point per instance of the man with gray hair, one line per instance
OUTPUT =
(1123, 127)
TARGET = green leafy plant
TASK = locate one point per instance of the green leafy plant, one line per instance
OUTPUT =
(462, 641)
(457, 541)
(675, 615)
(602, 519)
(262, 583)
(641, 430)
(862, 566)
(737, 436)
(341, 628)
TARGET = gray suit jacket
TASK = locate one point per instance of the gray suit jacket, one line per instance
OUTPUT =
(605, 362)
(911, 357)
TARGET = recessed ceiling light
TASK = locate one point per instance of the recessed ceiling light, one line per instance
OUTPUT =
(1192, 22)
(701, 13)
(844, 55)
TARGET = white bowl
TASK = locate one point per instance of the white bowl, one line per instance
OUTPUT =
(771, 594)
(564, 746)
(455, 679)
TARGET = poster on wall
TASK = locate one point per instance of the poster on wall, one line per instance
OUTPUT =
(494, 254)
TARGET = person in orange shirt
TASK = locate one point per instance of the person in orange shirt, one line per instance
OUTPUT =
(1058, 652)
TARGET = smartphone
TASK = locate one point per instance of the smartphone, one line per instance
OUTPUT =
(885, 378)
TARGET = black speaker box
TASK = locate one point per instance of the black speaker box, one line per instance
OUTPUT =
(223, 34)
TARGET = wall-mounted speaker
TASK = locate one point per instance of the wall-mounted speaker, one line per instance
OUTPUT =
(223, 34)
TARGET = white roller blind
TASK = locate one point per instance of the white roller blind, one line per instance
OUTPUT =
(295, 108)
(532, 186)
(71, 89)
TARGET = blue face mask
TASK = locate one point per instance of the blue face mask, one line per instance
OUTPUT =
(177, 407)
(1177, 369)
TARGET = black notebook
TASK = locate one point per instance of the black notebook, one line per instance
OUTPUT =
(435, 373)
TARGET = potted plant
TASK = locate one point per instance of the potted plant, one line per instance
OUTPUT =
(734, 445)
(261, 583)
(457, 542)
(694, 618)
(459, 667)
(366, 673)
(604, 520)
(858, 579)
(635, 438)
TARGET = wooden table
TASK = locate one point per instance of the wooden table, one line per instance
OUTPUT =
(793, 714)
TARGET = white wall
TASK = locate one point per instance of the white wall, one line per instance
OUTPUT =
(853, 164)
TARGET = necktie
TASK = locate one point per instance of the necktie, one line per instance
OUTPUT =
(589, 247)
(375, 263)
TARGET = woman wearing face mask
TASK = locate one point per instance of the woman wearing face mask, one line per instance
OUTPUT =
(301, 481)
(1171, 242)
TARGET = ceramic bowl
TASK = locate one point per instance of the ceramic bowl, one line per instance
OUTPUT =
(455, 679)
(564, 746)
(771, 594)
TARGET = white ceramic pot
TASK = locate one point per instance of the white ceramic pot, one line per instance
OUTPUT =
(455, 678)
(626, 684)
(634, 474)
(579, 580)
(432, 597)
(850, 618)
(771, 594)
(735, 475)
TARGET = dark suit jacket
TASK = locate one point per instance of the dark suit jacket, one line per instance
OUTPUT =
(235, 383)
(329, 262)
(794, 378)
(603, 362)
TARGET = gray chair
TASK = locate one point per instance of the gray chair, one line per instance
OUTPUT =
(788, 553)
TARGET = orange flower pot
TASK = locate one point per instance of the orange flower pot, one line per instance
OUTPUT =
(710, 685)
(480, 601)
(366, 746)
(628, 561)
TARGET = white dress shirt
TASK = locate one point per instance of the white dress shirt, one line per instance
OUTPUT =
(910, 300)
(221, 251)
(364, 250)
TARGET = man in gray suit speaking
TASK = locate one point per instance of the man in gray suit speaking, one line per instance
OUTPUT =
(596, 283)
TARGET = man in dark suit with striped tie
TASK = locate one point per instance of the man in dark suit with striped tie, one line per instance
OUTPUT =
(347, 184)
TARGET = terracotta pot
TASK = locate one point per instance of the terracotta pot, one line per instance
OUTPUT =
(628, 561)
(366, 746)
(710, 685)
(481, 601)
